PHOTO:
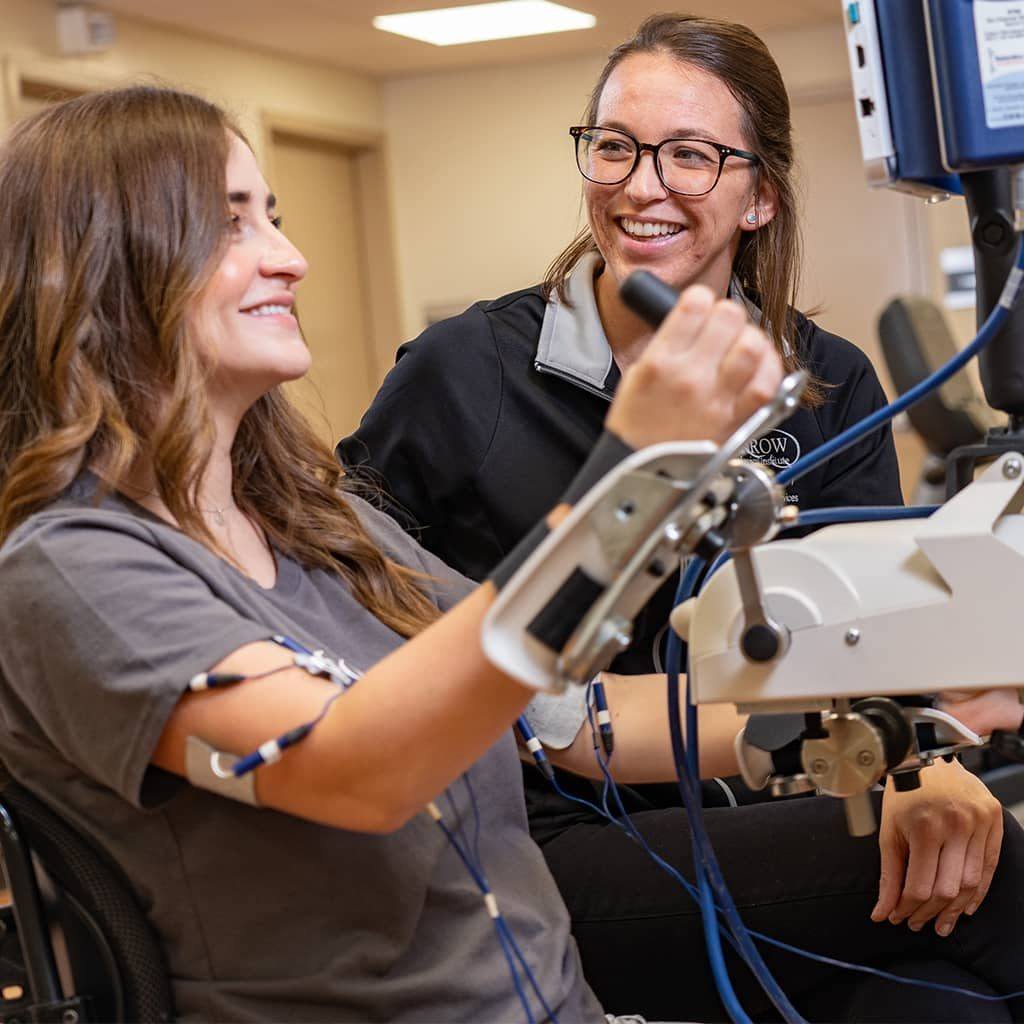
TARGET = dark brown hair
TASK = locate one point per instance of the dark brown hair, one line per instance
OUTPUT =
(114, 215)
(768, 260)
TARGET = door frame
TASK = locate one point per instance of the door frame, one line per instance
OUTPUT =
(43, 77)
(374, 232)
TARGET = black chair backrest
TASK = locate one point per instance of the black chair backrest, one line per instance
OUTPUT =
(115, 957)
(916, 341)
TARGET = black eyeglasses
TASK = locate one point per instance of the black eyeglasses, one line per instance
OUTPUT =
(688, 167)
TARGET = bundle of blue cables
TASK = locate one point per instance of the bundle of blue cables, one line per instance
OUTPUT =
(713, 893)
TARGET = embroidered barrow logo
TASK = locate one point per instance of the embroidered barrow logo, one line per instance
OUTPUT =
(777, 449)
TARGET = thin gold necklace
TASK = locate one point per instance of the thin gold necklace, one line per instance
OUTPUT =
(217, 513)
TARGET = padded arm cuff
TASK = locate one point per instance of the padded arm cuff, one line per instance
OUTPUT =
(609, 451)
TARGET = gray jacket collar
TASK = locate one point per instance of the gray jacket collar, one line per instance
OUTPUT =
(572, 340)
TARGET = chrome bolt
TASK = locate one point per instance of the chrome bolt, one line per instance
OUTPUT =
(819, 766)
(624, 511)
(70, 1017)
(852, 637)
(865, 758)
(1011, 469)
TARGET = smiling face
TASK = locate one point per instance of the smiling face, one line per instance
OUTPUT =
(244, 317)
(640, 225)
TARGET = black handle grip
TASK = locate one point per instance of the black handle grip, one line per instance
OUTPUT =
(648, 296)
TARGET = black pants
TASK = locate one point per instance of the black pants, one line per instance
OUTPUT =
(796, 875)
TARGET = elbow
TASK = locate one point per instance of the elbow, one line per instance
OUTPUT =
(386, 821)
(380, 801)
(375, 817)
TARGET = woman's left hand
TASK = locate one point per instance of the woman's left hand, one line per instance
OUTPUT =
(940, 846)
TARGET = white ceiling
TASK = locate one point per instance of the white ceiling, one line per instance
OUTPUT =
(340, 32)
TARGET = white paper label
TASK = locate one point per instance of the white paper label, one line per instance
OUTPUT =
(999, 29)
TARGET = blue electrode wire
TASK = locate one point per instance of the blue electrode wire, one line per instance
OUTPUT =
(604, 718)
(986, 333)
(888, 975)
(269, 752)
(623, 823)
(476, 817)
(706, 867)
(702, 896)
(501, 920)
(832, 516)
(860, 514)
(687, 762)
(315, 663)
(509, 946)
(481, 883)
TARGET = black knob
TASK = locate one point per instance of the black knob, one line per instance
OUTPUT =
(993, 234)
(648, 296)
(760, 642)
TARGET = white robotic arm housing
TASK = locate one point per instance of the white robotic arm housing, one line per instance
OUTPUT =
(902, 607)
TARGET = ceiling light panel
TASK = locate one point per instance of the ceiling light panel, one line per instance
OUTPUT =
(449, 26)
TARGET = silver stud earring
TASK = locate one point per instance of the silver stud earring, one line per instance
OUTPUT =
(751, 218)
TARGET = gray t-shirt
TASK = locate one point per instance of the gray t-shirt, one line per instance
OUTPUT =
(105, 614)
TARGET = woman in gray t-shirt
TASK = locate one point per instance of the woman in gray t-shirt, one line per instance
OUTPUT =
(169, 523)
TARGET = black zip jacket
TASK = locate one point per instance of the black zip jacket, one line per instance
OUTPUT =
(473, 437)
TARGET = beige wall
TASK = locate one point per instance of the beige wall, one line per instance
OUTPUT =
(247, 82)
(473, 223)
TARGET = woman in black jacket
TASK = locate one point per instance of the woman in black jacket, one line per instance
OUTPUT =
(686, 157)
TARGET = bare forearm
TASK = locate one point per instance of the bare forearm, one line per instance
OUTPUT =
(643, 750)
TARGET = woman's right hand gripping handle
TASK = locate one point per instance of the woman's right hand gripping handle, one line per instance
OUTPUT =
(705, 371)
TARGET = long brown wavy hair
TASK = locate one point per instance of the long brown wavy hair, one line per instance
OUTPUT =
(767, 262)
(114, 213)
